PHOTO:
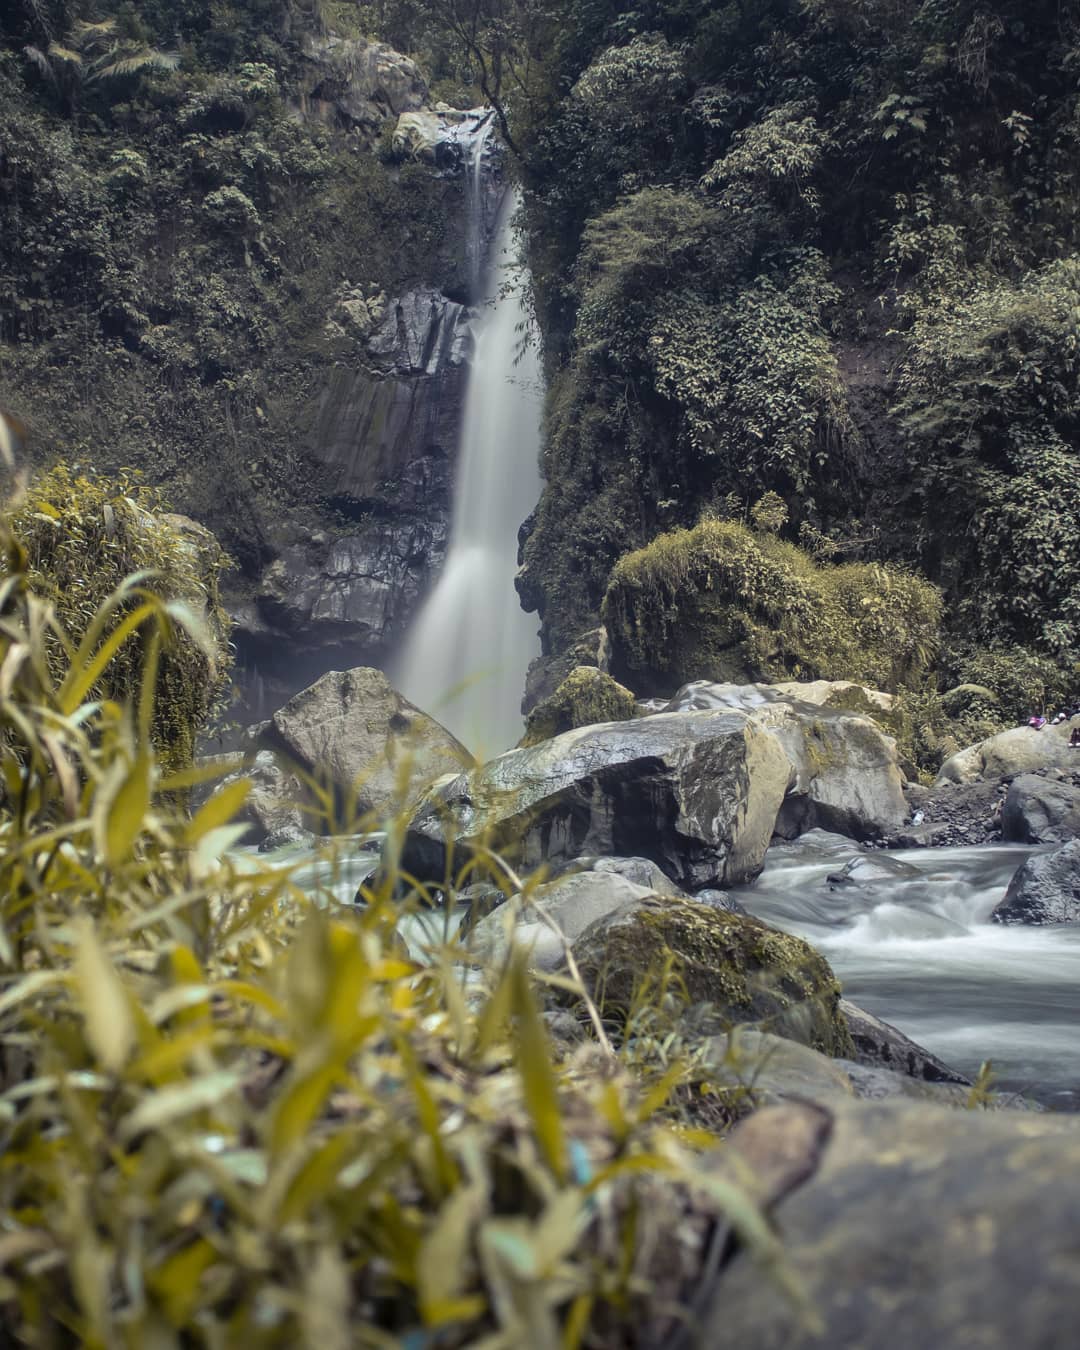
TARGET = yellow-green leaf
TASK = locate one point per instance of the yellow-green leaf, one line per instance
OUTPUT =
(120, 809)
(219, 810)
(537, 1074)
(110, 1026)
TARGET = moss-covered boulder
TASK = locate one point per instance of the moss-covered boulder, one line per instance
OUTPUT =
(746, 971)
(722, 602)
(585, 697)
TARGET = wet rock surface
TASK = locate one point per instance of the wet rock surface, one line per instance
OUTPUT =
(1046, 889)
(1041, 810)
(880, 1045)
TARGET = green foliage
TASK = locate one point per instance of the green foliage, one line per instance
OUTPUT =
(229, 1110)
(82, 537)
(720, 602)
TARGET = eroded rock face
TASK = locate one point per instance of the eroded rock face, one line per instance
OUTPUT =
(1046, 889)
(352, 730)
(1040, 810)
(697, 793)
(909, 1225)
(880, 1045)
(357, 85)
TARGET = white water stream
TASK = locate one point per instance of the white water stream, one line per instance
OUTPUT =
(466, 655)
(916, 947)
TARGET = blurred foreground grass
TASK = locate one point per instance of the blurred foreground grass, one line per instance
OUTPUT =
(234, 1113)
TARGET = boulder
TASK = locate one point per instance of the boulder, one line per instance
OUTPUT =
(275, 803)
(847, 777)
(872, 870)
(353, 731)
(696, 793)
(874, 1083)
(1020, 750)
(1040, 810)
(738, 967)
(641, 871)
(756, 1068)
(572, 903)
(1046, 889)
(905, 1224)
(585, 697)
(444, 137)
(880, 1045)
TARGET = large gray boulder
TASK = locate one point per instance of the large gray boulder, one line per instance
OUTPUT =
(1020, 750)
(352, 731)
(1046, 889)
(846, 774)
(906, 1224)
(880, 1045)
(1040, 810)
(697, 793)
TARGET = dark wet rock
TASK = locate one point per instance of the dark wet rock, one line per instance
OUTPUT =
(879, 1044)
(287, 836)
(718, 900)
(870, 870)
(355, 733)
(1046, 889)
(874, 1083)
(1040, 810)
(742, 969)
(696, 793)
(907, 1225)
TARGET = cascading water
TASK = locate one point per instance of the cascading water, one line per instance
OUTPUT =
(466, 656)
(912, 943)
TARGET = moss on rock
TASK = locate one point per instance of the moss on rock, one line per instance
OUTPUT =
(585, 697)
(747, 971)
(722, 602)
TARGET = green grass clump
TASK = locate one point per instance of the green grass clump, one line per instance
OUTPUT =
(723, 602)
(235, 1113)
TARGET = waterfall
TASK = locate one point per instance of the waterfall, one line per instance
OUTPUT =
(469, 648)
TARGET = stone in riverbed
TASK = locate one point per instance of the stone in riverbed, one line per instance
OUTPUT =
(1020, 750)
(1040, 810)
(878, 1044)
(1046, 889)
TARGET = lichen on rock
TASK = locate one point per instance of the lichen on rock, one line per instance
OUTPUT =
(585, 697)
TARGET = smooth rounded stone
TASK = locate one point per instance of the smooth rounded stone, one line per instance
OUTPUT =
(879, 1044)
(353, 731)
(572, 903)
(287, 836)
(698, 793)
(1020, 750)
(872, 869)
(1040, 810)
(743, 970)
(1046, 889)
(641, 871)
(906, 1224)
(763, 1069)
(719, 900)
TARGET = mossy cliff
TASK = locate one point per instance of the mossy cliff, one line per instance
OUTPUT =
(723, 602)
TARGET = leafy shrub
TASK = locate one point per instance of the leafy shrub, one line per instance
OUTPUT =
(227, 1113)
(82, 537)
(720, 602)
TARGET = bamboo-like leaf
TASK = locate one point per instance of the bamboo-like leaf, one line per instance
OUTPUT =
(219, 810)
(65, 773)
(300, 1104)
(86, 670)
(444, 1266)
(537, 1074)
(175, 1102)
(120, 809)
(176, 1281)
(324, 1319)
(106, 1007)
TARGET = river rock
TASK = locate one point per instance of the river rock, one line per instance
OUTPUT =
(879, 1044)
(641, 871)
(571, 903)
(743, 970)
(872, 870)
(585, 697)
(354, 732)
(749, 1067)
(355, 84)
(846, 773)
(1020, 750)
(1040, 810)
(275, 803)
(1046, 889)
(697, 793)
(907, 1225)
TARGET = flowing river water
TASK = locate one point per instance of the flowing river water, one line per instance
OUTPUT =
(913, 943)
